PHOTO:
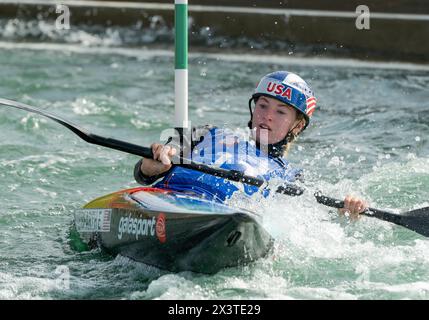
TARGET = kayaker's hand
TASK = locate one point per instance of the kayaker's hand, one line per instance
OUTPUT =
(161, 161)
(163, 153)
(353, 206)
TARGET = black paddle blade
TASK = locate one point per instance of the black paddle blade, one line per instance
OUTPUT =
(421, 213)
(416, 220)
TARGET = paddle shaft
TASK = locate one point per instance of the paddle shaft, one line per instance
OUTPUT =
(145, 152)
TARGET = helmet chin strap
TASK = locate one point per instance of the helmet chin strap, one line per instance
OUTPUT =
(274, 149)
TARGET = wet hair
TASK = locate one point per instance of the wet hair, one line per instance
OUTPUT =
(292, 136)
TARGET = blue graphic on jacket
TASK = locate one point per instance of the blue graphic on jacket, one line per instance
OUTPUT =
(220, 147)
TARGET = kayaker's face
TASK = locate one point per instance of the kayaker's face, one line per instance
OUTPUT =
(274, 119)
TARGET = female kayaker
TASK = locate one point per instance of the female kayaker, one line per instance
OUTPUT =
(283, 105)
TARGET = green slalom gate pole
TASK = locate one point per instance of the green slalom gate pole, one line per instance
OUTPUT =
(181, 64)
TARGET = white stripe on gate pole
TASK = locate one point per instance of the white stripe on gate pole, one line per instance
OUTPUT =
(181, 99)
(181, 64)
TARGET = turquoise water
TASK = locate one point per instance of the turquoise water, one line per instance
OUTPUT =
(369, 137)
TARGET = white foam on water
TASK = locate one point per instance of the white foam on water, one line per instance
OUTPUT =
(85, 106)
(14, 287)
(369, 248)
(176, 286)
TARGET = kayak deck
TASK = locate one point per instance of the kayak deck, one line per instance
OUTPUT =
(173, 231)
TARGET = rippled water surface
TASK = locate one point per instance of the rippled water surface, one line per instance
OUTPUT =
(369, 137)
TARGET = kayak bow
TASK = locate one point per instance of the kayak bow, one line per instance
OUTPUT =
(173, 231)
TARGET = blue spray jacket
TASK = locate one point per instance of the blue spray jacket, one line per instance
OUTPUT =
(220, 147)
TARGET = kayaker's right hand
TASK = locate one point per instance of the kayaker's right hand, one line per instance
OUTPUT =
(163, 153)
(161, 161)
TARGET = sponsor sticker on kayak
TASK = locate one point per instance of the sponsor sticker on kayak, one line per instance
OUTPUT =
(137, 227)
(143, 227)
(93, 220)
